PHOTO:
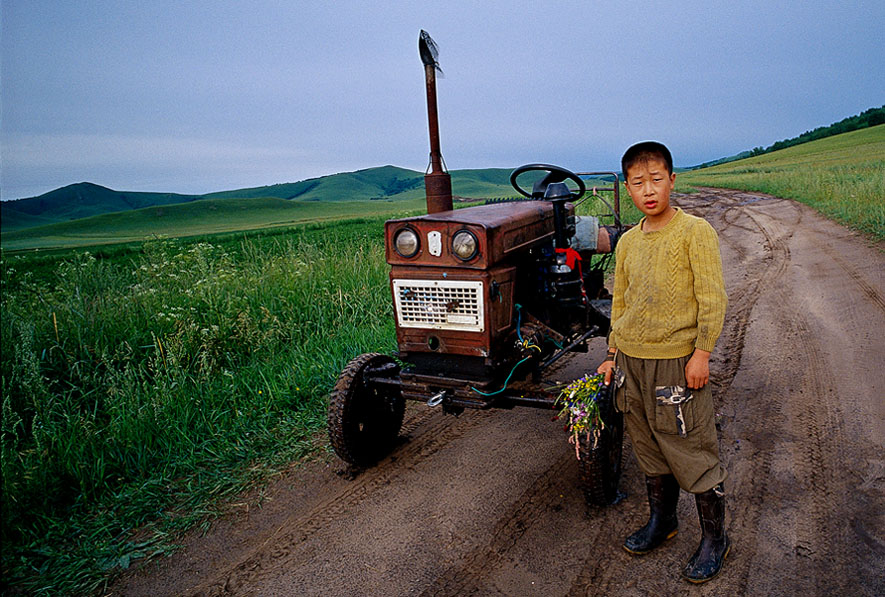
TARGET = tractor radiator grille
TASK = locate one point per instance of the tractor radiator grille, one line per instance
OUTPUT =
(439, 304)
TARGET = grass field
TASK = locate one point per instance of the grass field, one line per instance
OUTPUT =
(198, 218)
(842, 177)
(139, 389)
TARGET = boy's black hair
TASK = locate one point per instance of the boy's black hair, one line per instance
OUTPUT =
(647, 150)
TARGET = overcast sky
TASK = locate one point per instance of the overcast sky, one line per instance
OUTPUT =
(201, 96)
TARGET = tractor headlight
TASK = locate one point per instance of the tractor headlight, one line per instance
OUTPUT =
(464, 245)
(406, 242)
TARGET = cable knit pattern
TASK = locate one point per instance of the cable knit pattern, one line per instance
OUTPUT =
(669, 295)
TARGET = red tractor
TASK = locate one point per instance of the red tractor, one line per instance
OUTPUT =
(486, 299)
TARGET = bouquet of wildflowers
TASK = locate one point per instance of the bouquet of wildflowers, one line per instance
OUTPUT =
(579, 403)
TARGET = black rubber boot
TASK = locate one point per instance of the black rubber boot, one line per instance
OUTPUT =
(707, 561)
(663, 496)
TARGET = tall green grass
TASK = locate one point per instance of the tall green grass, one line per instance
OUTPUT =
(842, 177)
(137, 390)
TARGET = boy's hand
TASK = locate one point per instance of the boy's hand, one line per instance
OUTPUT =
(697, 369)
(606, 367)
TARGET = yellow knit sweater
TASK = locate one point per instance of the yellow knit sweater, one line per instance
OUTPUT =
(669, 295)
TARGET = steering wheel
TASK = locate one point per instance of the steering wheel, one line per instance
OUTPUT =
(554, 174)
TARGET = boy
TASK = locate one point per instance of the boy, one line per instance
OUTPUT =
(668, 310)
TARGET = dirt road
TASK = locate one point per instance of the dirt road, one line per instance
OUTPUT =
(487, 503)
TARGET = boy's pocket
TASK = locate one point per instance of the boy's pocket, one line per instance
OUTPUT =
(620, 390)
(674, 410)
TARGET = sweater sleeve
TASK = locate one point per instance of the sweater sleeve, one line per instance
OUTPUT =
(709, 285)
(620, 288)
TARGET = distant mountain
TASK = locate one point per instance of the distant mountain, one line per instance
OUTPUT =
(372, 183)
(83, 200)
(383, 182)
(76, 201)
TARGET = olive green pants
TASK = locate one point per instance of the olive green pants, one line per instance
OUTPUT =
(672, 428)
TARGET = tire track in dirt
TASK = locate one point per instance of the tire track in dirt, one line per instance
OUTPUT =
(744, 512)
(597, 576)
(440, 430)
(819, 436)
(766, 270)
(856, 276)
(822, 434)
(590, 576)
(813, 441)
(468, 576)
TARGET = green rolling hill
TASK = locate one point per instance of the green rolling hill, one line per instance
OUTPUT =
(202, 217)
(76, 202)
(373, 183)
(86, 214)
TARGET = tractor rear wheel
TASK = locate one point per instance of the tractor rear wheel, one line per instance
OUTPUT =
(600, 464)
(365, 414)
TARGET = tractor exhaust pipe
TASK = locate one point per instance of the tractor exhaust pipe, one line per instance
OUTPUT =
(437, 183)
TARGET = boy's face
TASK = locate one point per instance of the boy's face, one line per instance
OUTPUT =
(649, 185)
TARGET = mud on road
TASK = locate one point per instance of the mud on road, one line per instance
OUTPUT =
(487, 503)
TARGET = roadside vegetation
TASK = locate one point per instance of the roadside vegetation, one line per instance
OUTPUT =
(137, 390)
(842, 177)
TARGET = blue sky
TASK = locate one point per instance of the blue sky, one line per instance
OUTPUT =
(198, 96)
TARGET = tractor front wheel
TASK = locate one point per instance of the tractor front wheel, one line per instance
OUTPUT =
(365, 414)
(600, 464)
